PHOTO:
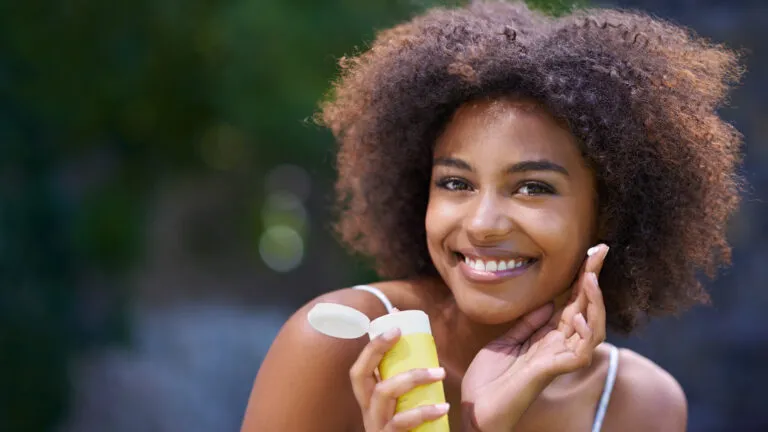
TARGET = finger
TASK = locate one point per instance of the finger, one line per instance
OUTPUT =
(362, 371)
(578, 305)
(581, 327)
(411, 419)
(596, 258)
(584, 351)
(595, 310)
(579, 300)
(528, 324)
(582, 340)
(572, 343)
(387, 391)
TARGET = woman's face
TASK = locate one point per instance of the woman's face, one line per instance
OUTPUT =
(511, 208)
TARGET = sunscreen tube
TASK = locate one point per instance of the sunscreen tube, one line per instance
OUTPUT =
(415, 350)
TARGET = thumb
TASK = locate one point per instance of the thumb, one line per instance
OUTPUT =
(596, 258)
(527, 325)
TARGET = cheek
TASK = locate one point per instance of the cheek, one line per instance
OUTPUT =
(440, 221)
(552, 230)
(563, 234)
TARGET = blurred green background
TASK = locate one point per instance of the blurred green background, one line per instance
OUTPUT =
(157, 153)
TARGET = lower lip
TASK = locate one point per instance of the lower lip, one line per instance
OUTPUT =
(484, 276)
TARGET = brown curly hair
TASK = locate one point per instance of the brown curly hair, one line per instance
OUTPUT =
(639, 93)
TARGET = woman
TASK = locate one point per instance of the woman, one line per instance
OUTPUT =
(489, 157)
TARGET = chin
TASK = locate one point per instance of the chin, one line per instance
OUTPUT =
(483, 308)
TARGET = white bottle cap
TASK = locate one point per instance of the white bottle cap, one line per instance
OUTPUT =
(410, 321)
(345, 322)
(338, 320)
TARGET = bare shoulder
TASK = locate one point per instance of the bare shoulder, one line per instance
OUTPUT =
(645, 397)
(303, 367)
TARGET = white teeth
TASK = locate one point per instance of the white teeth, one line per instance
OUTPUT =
(493, 266)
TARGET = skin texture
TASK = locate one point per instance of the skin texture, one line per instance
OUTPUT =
(543, 214)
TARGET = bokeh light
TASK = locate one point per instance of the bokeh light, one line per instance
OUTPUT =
(281, 248)
(286, 209)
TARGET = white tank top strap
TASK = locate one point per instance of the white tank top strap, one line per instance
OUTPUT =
(377, 292)
(605, 398)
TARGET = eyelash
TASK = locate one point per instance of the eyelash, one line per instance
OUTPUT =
(544, 188)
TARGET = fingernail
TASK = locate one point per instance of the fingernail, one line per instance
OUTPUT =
(593, 250)
(436, 373)
(580, 317)
(593, 278)
(391, 334)
(443, 407)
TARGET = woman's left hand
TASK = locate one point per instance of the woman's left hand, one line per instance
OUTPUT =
(508, 374)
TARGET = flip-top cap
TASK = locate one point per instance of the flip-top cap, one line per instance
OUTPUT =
(338, 320)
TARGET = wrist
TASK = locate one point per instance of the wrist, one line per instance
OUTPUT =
(468, 420)
(488, 414)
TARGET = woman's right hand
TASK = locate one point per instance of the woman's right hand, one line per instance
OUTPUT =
(377, 399)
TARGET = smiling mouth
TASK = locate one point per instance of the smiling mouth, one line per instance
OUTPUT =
(493, 269)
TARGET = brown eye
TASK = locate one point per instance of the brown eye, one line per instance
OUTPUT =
(453, 184)
(536, 188)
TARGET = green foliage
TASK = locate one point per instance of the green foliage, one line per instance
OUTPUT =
(556, 7)
(100, 100)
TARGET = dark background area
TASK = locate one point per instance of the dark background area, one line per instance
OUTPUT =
(164, 206)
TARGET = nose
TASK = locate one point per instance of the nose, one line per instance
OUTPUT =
(487, 220)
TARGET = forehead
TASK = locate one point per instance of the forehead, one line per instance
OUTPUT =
(511, 126)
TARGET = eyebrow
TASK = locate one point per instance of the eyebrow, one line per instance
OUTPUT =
(522, 166)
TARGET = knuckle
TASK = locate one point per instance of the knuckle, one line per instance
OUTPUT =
(354, 372)
(430, 411)
(419, 376)
(382, 388)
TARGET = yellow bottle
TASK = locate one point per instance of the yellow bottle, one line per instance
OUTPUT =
(416, 349)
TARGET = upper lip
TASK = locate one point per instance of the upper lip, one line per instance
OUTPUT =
(489, 253)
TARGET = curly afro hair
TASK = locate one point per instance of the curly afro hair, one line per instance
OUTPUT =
(639, 93)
